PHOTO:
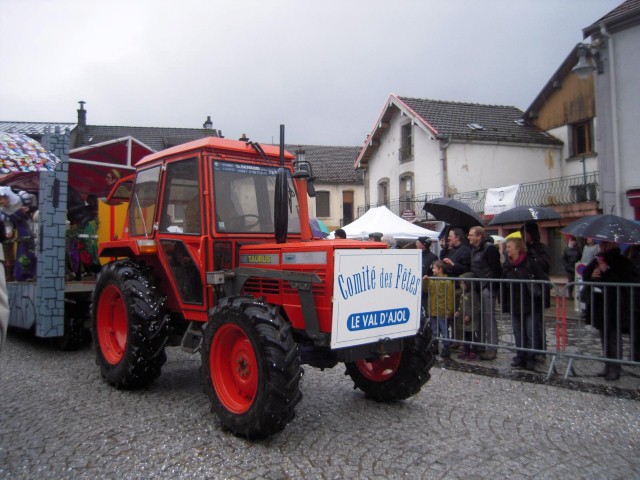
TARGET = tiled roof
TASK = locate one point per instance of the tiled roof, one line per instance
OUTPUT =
(494, 122)
(34, 129)
(621, 16)
(330, 164)
(154, 137)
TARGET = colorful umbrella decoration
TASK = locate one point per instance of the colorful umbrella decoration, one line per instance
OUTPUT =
(20, 153)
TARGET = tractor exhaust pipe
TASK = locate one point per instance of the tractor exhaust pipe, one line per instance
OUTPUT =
(281, 203)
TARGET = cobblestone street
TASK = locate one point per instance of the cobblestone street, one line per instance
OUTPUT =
(60, 420)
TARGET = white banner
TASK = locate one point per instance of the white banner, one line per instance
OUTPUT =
(500, 199)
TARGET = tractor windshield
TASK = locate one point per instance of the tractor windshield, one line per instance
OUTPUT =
(244, 198)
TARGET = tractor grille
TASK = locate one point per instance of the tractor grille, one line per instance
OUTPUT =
(262, 286)
(266, 286)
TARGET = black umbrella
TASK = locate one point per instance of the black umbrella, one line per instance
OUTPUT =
(611, 228)
(453, 211)
(524, 214)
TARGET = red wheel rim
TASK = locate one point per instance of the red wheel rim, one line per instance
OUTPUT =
(381, 369)
(112, 324)
(234, 368)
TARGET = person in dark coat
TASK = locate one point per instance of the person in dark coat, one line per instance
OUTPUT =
(458, 256)
(611, 314)
(536, 249)
(570, 257)
(540, 254)
(485, 263)
(518, 301)
(428, 257)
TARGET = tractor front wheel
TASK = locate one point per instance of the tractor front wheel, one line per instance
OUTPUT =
(251, 367)
(129, 325)
(396, 376)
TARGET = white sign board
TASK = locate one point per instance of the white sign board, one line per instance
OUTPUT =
(500, 199)
(376, 295)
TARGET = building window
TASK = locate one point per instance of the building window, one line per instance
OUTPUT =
(581, 139)
(406, 191)
(406, 146)
(584, 193)
(322, 204)
(347, 207)
(383, 192)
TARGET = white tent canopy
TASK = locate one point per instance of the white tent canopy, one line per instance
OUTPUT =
(383, 220)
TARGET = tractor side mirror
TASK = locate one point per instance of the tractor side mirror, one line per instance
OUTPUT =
(303, 170)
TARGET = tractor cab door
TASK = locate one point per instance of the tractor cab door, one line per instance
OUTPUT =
(181, 236)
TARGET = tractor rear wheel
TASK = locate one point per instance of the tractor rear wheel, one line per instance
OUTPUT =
(251, 367)
(396, 376)
(129, 325)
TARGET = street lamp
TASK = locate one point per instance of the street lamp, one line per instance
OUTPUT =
(585, 67)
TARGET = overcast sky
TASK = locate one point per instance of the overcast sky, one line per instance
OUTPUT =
(323, 68)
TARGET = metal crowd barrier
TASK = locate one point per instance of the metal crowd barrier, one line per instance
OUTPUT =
(553, 333)
(610, 310)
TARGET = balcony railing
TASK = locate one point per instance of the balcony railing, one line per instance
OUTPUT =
(561, 191)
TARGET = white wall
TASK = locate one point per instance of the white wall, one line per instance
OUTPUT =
(618, 107)
(385, 162)
(573, 166)
(628, 85)
(479, 166)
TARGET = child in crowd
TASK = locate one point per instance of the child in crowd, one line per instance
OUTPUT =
(469, 311)
(440, 306)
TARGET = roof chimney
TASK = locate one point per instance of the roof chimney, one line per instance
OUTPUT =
(82, 124)
(208, 125)
(244, 138)
(82, 115)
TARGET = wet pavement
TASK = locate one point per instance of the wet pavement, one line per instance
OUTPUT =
(59, 420)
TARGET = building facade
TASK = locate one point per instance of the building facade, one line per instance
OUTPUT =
(615, 56)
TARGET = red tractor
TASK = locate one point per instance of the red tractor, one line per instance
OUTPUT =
(217, 256)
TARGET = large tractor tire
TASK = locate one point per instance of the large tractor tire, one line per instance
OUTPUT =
(251, 367)
(129, 325)
(396, 376)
